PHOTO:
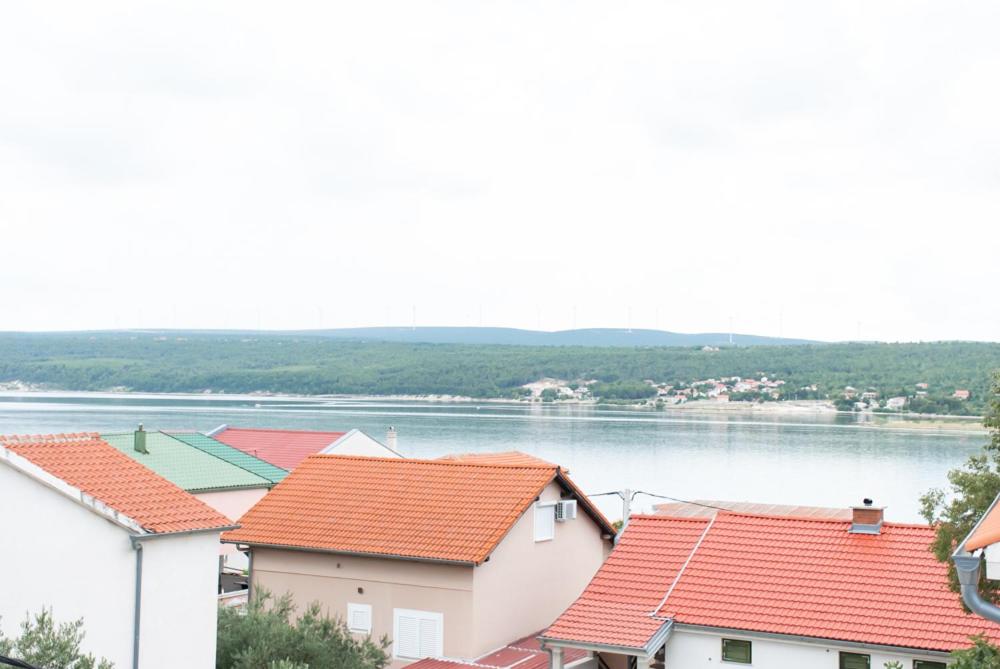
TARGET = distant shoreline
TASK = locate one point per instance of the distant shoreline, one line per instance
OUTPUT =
(888, 421)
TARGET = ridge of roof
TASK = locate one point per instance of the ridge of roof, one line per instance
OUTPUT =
(400, 508)
(230, 428)
(819, 520)
(441, 461)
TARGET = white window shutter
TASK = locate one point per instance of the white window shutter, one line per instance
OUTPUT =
(545, 521)
(359, 618)
(418, 634)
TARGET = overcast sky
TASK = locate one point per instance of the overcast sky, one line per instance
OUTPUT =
(826, 170)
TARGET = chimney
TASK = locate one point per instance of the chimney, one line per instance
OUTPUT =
(139, 440)
(867, 519)
(390, 438)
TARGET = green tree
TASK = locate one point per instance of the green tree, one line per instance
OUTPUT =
(267, 636)
(44, 643)
(981, 655)
(973, 489)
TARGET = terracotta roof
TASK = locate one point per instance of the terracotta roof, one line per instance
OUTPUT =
(282, 448)
(780, 575)
(987, 532)
(524, 653)
(89, 464)
(706, 508)
(430, 509)
(501, 458)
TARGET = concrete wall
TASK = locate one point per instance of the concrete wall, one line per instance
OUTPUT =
(385, 584)
(526, 585)
(58, 554)
(179, 602)
(689, 649)
(233, 504)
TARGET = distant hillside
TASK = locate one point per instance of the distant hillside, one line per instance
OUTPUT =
(319, 365)
(582, 337)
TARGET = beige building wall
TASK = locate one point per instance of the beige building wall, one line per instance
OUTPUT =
(525, 585)
(385, 584)
(232, 504)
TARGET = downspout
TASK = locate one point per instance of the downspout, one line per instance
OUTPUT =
(137, 546)
(968, 567)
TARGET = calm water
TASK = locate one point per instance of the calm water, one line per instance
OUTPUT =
(817, 460)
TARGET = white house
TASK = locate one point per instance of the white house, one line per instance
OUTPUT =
(768, 591)
(93, 534)
(287, 448)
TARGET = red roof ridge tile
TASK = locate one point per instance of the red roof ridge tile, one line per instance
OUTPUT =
(281, 429)
(445, 462)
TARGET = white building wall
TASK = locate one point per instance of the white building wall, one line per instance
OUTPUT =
(357, 442)
(59, 554)
(233, 504)
(179, 603)
(687, 649)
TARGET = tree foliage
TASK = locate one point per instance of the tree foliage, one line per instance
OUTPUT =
(268, 636)
(973, 489)
(193, 362)
(44, 643)
(981, 655)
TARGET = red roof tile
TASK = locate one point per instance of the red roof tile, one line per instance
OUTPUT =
(706, 508)
(431, 509)
(987, 532)
(91, 465)
(805, 577)
(525, 653)
(502, 458)
(282, 448)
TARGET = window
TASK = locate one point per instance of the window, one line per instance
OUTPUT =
(855, 661)
(359, 618)
(545, 521)
(736, 650)
(417, 634)
(924, 664)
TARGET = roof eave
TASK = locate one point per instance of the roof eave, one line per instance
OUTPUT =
(332, 551)
(649, 649)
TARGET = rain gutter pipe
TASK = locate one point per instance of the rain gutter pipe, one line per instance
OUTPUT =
(969, 567)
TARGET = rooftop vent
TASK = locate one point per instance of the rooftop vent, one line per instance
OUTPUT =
(139, 440)
(867, 519)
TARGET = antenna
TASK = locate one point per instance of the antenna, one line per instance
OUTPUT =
(730, 330)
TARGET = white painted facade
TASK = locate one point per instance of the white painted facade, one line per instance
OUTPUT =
(59, 553)
(357, 442)
(689, 648)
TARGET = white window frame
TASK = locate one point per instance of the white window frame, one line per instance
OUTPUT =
(540, 509)
(437, 618)
(366, 609)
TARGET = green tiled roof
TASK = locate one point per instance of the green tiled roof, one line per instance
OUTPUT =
(184, 465)
(232, 455)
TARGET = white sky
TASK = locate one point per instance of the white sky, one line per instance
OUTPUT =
(812, 169)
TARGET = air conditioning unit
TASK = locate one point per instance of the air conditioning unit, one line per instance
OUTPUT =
(565, 510)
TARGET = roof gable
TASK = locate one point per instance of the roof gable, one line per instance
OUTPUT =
(88, 464)
(184, 465)
(233, 456)
(776, 575)
(282, 448)
(422, 509)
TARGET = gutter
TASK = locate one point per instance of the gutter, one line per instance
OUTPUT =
(328, 551)
(968, 567)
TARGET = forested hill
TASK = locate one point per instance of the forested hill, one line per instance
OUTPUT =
(156, 362)
(580, 337)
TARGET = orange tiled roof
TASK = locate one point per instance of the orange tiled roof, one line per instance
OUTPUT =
(282, 448)
(501, 458)
(430, 509)
(988, 531)
(91, 465)
(706, 508)
(524, 653)
(779, 575)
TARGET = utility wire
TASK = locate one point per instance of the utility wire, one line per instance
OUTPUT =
(653, 494)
